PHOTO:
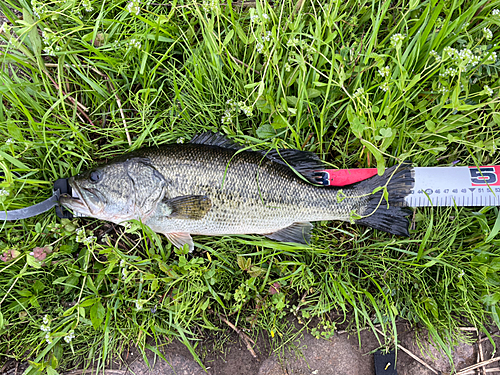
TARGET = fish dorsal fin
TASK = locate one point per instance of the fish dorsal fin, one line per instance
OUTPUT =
(179, 239)
(297, 232)
(303, 162)
(214, 139)
(193, 207)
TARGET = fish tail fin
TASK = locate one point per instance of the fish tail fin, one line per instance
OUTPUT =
(388, 214)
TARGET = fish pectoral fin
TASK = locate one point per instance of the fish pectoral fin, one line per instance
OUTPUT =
(179, 239)
(193, 207)
(297, 232)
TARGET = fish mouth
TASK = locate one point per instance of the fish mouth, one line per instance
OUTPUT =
(75, 202)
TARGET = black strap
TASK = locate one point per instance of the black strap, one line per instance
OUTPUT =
(385, 362)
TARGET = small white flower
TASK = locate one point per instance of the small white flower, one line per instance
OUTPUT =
(450, 51)
(287, 67)
(134, 43)
(435, 55)
(138, 305)
(267, 36)
(233, 106)
(294, 42)
(495, 12)
(38, 9)
(46, 319)
(449, 72)
(122, 262)
(49, 51)
(45, 328)
(180, 140)
(246, 109)
(133, 7)
(80, 234)
(70, 336)
(254, 18)
(227, 117)
(443, 90)
(384, 72)
(487, 34)
(87, 6)
(210, 5)
(397, 40)
(488, 90)
(384, 86)
(491, 59)
(265, 16)
(259, 47)
(3, 193)
(88, 240)
(359, 92)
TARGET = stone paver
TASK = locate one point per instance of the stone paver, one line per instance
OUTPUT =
(176, 365)
(463, 355)
(336, 356)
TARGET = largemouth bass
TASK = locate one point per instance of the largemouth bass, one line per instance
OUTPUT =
(211, 186)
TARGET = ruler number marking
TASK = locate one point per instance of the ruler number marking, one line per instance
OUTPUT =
(483, 176)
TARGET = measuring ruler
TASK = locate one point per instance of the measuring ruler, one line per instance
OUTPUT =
(434, 186)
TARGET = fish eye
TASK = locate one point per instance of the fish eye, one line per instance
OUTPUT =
(95, 176)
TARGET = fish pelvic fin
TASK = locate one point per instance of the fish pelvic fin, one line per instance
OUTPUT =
(297, 232)
(388, 215)
(179, 239)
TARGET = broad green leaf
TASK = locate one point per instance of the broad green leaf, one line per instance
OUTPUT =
(97, 314)
(265, 131)
(228, 38)
(491, 299)
(30, 259)
(14, 131)
(494, 230)
(377, 154)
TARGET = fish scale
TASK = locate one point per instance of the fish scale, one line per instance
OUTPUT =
(249, 194)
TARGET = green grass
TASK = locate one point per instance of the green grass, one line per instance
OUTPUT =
(308, 76)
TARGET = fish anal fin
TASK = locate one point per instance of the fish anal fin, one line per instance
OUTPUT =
(179, 239)
(193, 207)
(297, 232)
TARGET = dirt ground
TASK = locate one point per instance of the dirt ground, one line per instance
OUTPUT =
(342, 354)
(226, 353)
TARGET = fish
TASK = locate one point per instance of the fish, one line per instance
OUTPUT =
(212, 186)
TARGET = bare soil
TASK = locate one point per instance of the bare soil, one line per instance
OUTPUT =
(225, 353)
